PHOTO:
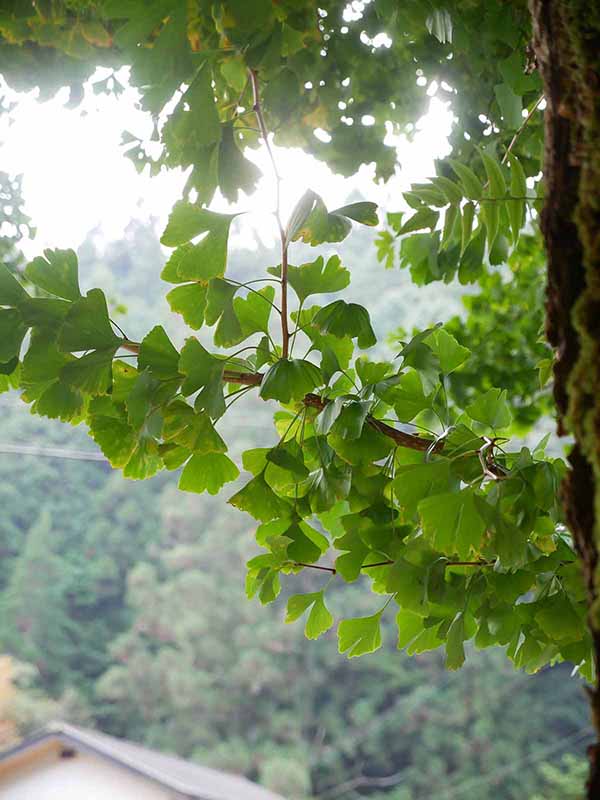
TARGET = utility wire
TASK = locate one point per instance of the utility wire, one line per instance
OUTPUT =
(458, 789)
(50, 452)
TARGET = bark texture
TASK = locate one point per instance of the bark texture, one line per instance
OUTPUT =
(567, 47)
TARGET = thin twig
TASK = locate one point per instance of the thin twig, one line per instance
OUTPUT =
(315, 566)
(521, 129)
(257, 108)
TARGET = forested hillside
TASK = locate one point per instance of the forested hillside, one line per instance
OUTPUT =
(124, 605)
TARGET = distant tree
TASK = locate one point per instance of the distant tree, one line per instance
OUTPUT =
(563, 781)
(465, 536)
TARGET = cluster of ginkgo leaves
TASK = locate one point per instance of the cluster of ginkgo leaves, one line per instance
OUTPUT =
(482, 217)
(375, 476)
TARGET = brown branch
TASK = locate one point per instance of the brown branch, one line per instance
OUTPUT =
(389, 561)
(315, 566)
(257, 108)
(400, 438)
(133, 347)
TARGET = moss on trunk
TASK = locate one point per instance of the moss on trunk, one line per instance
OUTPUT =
(567, 47)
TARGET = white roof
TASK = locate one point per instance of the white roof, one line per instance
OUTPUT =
(188, 779)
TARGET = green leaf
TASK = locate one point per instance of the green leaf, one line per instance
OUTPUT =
(87, 325)
(413, 482)
(306, 544)
(57, 273)
(471, 263)
(300, 214)
(510, 105)
(452, 221)
(422, 358)
(558, 619)
(427, 193)
(359, 636)
(491, 409)
(409, 348)
(328, 415)
(59, 401)
(495, 176)
(298, 603)
(499, 252)
(140, 400)
(408, 397)
(11, 291)
(351, 420)
(508, 541)
(323, 226)
(236, 173)
(202, 372)
(192, 430)
(44, 312)
(410, 625)
(189, 300)
(319, 620)
(12, 333)
(452, 190)
(328, 485)
(363, 212)
(452, 523)
(439, 24)
(228, 331)
(288, 456)
(202, 261)
(41, 366)
(145, 460)
(260, 501)
(468, 214)
(208, 472)
(9, 374)
(455, 651)
(518, 188)
(113, 434)
(424, 218)
(254, 310)
(219, 298)
(196, 262)
(470, 182)
(316, 277)
(449, 352)
(158, 354)
(490, 213)
(289, 380)
(90, 374)
(349, 320)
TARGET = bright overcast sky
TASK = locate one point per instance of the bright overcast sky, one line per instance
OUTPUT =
(75, 177)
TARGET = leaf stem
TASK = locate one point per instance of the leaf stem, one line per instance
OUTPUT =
(250, 289)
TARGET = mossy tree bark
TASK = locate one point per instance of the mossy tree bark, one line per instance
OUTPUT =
(567, 48)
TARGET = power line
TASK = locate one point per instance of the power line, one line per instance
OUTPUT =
(458, 788)
(50, 452)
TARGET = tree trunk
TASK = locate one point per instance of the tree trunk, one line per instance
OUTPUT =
(566, 40)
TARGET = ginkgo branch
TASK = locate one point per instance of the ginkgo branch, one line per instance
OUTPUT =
(257, 108)
(401, 438)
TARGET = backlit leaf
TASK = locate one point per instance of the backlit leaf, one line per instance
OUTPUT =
(56, 273)
(359, 636)
(207, 473)
(289, 380)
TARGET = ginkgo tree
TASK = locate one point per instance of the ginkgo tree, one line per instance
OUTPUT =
(377, 472)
